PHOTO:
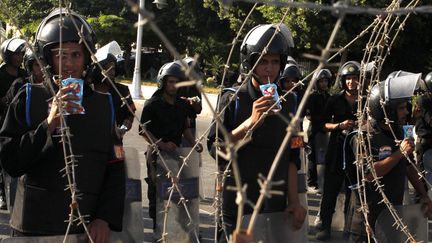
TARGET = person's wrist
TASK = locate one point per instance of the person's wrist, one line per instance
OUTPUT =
(338, 126)
(247, 124)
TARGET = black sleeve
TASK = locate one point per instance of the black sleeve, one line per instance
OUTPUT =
(328, 110)
(226, 119)
(111, 200)
(195, 92)
(21, 146)
(426, 108)
(124, 91)
(350, 154)
(146, 115)
(13, 90)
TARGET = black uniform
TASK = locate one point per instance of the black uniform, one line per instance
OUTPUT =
(30, 151)
(424, 126)
(383, 145)
(190, 91)
(121, 111)
(167, 122)
(257, 156)
(6, 81)
(14, 88)
(336, 110)
(315, 110)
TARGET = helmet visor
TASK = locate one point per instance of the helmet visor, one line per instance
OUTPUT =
(401, 87)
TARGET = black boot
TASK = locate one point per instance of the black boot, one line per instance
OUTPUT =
(324, 234)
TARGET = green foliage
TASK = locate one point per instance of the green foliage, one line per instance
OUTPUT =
(215, 65)
(208, 27)
(112, 27)
(30, 29)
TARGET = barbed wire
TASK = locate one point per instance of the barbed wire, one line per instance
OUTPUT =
(238, 194)
(378, 44)
(339, 7)
(230, 153)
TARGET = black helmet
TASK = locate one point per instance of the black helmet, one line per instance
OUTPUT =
(29, 58)
(48, 33)
(369, 68)
(348, 68)
(258, 37)
(169, 69)
(97, 72)
(190, 61)
(390, 93)
(428, 82)
(291, 71)
(322, 74)
(291, 60)
(9, 46)
(107, 59)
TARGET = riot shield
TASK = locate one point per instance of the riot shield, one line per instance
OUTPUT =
(177, 224)
(133, 222)
(412, 217)
(47, 239)
(275, 228)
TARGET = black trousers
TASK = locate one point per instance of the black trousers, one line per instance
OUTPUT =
(312, 179)
(151, 183)
(333, 180)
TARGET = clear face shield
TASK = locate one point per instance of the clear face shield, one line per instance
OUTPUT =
(111, 48)
(15, 45)
(403, 86)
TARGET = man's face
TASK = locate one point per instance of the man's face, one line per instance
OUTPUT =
(323, 84)
(402, 113)
(267, 69)
(288, 83)
(72, 60)
(37, 72)
(170, 88)
(16, 59)
(351, 82)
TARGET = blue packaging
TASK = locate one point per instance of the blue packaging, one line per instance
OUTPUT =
(408, 131)
(78, 86)
(271, 90)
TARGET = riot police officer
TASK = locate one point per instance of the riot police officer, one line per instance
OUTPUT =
(244, 113)
(166, 117)
(12, 53)
(315, 112)
(339, 118)
(124, 117)
(424, 128)
(389, 161)
(192, 95)
(32, 149)
(34, 75)
(290, 76)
